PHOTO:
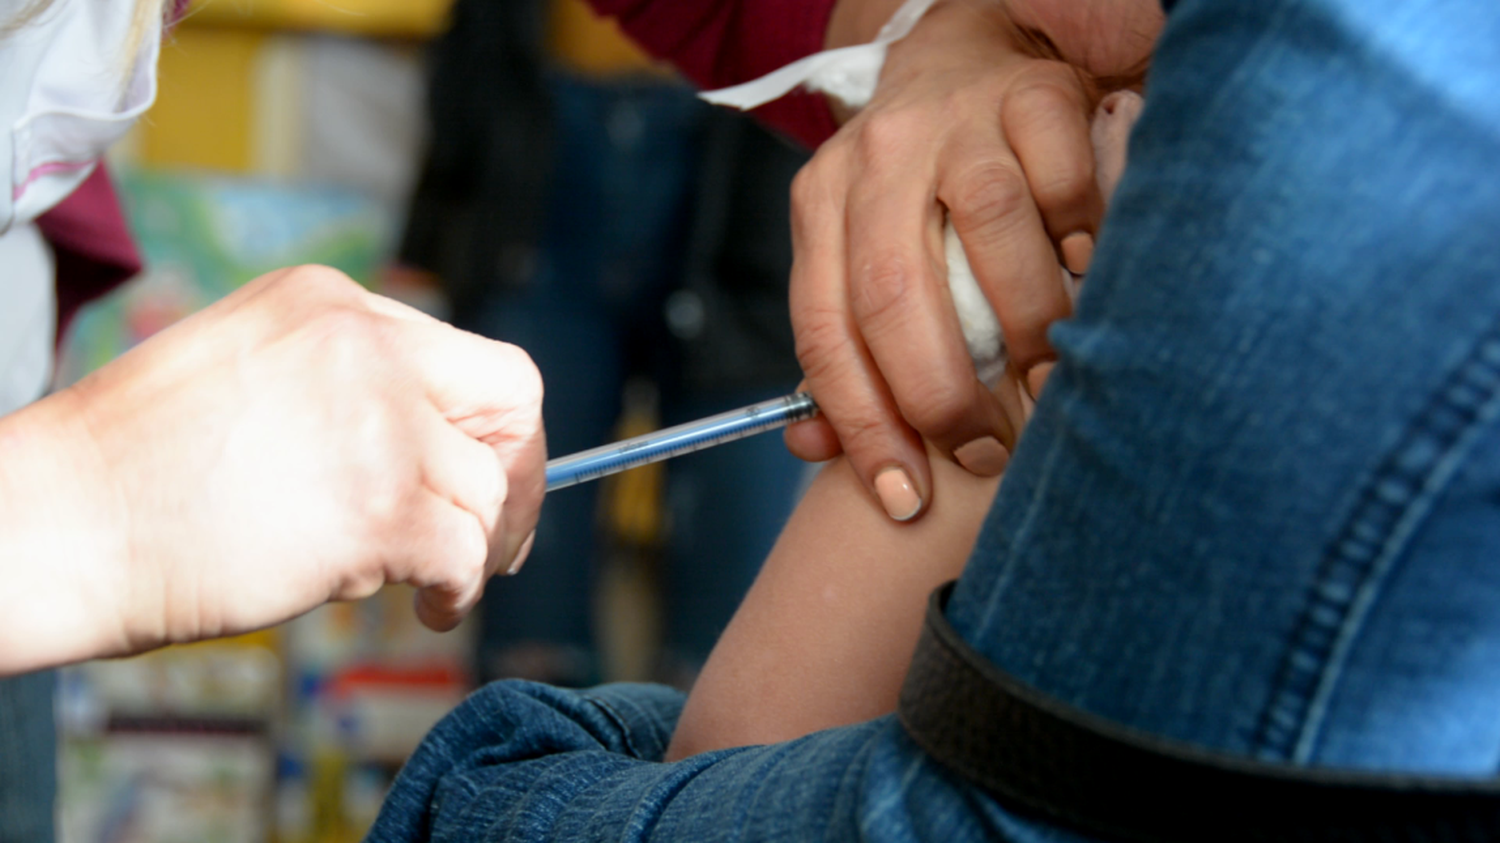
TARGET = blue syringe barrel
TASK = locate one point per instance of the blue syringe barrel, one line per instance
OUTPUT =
(676, 441)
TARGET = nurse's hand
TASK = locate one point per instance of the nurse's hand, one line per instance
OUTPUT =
(982, 112)
(300, 441)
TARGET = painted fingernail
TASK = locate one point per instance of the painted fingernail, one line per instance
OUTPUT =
(521, 555)
(1037, 377)
(1078, 250)
(984, 457)
(897, 494)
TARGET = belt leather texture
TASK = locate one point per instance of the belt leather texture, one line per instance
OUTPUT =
(1039, 755)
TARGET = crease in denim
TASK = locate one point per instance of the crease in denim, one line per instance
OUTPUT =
(1389, 507)
(988, 621)
(627, 735)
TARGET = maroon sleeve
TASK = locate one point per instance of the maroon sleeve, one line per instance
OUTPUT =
(716, 43)
(92, 244)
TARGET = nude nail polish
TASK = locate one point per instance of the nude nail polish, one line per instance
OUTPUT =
(897, 494)
(982, 457)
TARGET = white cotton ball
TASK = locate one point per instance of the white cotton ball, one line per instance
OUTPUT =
(981, 327)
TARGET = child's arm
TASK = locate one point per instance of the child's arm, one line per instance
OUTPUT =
(825, 634)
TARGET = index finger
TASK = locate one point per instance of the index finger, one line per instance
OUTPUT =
(886, 453)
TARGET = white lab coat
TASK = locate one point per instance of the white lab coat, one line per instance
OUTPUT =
(28, 311)
(67, 92)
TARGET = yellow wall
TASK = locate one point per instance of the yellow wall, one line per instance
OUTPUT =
(203, 110)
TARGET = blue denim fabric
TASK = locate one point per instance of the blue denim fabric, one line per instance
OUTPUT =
(1258, 508)
(28, 758)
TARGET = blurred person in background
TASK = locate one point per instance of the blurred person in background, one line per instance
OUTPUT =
(579, 201)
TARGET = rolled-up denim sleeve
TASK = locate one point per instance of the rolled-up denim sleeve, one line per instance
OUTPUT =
(520, 761)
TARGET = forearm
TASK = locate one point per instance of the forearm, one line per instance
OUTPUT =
(825, 634)
(62, 554)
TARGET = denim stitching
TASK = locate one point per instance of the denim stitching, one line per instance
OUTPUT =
(1387, 512)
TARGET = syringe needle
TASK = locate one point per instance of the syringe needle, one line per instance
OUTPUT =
(681, 439)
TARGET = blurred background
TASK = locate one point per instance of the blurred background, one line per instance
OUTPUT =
(517, 167)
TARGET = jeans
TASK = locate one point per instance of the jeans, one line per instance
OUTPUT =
(28, 758)
(1258, 506)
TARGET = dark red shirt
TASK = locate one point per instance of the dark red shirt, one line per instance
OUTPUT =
(717, 43)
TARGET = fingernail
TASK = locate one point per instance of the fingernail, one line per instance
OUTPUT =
(1078, 250)
(984, 457)
(1037, 377)
(897, 494)
(521, 555)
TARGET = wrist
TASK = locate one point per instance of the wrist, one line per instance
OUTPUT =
(62, 542)
(1111, 40)
(857, 21)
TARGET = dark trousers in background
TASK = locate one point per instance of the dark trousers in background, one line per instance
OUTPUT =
(663, 253)
(28, 758)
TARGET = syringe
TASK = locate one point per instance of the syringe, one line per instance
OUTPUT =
(681, 439)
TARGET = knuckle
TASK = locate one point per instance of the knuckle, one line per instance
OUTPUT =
(988, 194)
(938, 406)
(1067, 184)
(884, 138)
(883, 292)
(1042, 99)
(814, 195)
(807, 187)
(344, 339)
(821, 343)
(1045, 85)
(318, 283)
(863, 435)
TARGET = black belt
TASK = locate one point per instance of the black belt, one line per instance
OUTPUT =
(1040, 755)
